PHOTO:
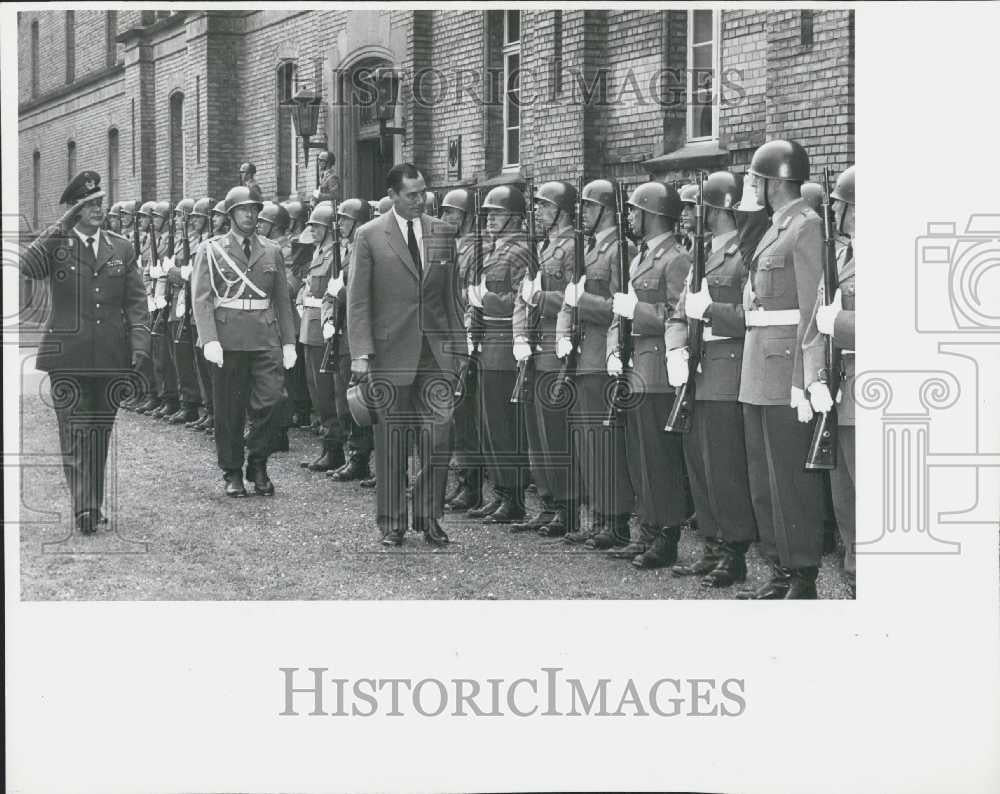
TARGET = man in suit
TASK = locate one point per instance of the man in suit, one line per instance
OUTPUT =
(97, 333)
(244, 320)
(405, 330)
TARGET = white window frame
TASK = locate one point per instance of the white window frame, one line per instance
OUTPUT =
(509, 50)
(716, 74)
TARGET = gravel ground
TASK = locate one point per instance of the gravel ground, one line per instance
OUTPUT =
(175, 536)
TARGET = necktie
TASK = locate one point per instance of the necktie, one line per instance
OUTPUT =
(591, 242)
(411, 243)
(246, 248)
(90, 245)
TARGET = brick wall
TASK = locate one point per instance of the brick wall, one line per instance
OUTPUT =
(744, 69)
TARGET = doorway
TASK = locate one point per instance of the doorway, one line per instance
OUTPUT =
(372, 168)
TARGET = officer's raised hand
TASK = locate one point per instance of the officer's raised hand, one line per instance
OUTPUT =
(213, 353)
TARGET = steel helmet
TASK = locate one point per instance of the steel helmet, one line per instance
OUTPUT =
(355, 209)
(294, 209)
(184, 207)
(505, 198)
(202, 207)
(384, 205)
(781, 159)
(457, 199)
(812, 192)
(127, 208)
(220, 208)
(323, 214)
(688, 194)
(274, 214)
(721, 191)
(600, 191)
(115, 210)
(657, 198)
(844, 189)
(562, 194)
(160, 209)
(240, 196)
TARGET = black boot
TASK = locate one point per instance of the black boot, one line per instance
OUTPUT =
(776, 587)
(257, 474)
(509, 511)
(565, 520)
(356, 468)
(540, 519)
(731, 567)
(332, 458)
(184, 416)
(581, 535)
(234, 482)
(803, 584)
(710, 556)
(662, 552)
(166, 409)
(636, 546)
(614, 533)
(486, 509)
(467, 499)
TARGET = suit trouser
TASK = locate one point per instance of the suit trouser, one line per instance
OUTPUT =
(716, 457)
(164, 376)
(418, 412)
(182, 358)
(249, 384)
(549, 447)
(321, 391)
(842, 485)
(502, 429)
(656, 462)
(360, 440)
(787, 499)
(85, 409)
(600, 450)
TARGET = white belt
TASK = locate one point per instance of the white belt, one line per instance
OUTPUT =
(844, 352)
(246, 304)
(493, 319)
(759, 318)
(313, 303)
(708, 336)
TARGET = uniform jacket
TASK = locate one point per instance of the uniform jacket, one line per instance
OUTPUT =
(555, 261)
(658, 281)
(238, 329)
(392, 306)
(314, 286)
(595, 316)
(339, 300)
(179, 289)
(155, 287)
(784, 274)
(721, 359)
(99, 313)
(466, 247)
(504, 267)
(814, 343)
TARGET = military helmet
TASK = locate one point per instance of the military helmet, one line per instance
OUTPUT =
(322, 214)
(240, 196)
(184, 207)
(384, 205)
(126, 207)
(457, 199)
(781, 159)
(294, 209)
(219, 208)
(657, 198)
(562, 194)
(688, 194)
(274, 214)
(720, 190)
(145, 208)
(812, 192)
(202, 207)
(505, 198)
(844, 189)
(355, 209)
(600, 191)
(115, 210)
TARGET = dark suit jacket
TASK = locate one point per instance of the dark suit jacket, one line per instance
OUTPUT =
(392, 307)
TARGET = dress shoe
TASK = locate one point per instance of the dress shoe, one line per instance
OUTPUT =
(257, 474)
(331, 459)
(710, 556)
(486, 509)
(393, 537)
(87, 521)
(165, 410)
(662, 552)
(234, 483)
(507, 513)
(536, 522)
(195, 424)
(467, 499)
(803, 584)
(775, 588)
(184, 416)
(636, 545)
(433, 534)
(369, 483)
(151, 404)
(356, 468)
(731, 567)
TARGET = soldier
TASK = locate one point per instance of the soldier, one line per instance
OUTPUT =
(784, 275)
(328, 188)
(836, 320)
(248, 179)
(351, 214)
(715, 449)
(655, 457)
(244, 320)
(159, 262)
(812, 193)
(600, 450)
(129, 230)
(689, 195)
(220, 219)
(296, 266)
(491, 306)
(97, 331)
(198, 223)
(114, 218)
(547, 419)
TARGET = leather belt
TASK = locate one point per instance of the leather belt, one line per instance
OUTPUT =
(312, 303)
(760, 318)
(245, 304)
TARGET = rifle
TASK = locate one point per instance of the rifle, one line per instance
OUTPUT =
(154, 245)
(823, 447)
(524, 384)
(620, 392)
(568, 369)
(136, 242)
(185, 320)
(679, 418)
(332, 348)
(477, 327)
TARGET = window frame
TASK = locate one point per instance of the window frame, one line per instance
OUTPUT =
(70, 160)
(511, 49)
(70, 45)
(716, 43)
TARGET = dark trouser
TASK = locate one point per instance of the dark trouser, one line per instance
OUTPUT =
(656, 462)
(204, 371)
(360, 440)
(716, 456)
(787, 500)
(164, 376)
(549, 448)
(182, 356)
(600, 451)
(466, 443)
(85, 408)
(502, 430)
(248, 384)
(842, 485)
(417, 413)
(295, 382)
(321, 391)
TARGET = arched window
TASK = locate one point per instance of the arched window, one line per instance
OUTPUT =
(36, 185)
(287, 143)
(34, 58)
(112, 187)
(70, 46)
(70, 160)
(176, 147)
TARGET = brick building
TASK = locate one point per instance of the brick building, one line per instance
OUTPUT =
(169, 103)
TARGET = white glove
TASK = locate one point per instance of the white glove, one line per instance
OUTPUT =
(288, 356)
(335, 285)
(564, 347)
(213, 353)
(677, 366)
(574, 290)
(150, 303)
(328, 330)
(155, 271)
(615, 365)
(522, 351)
(696, 303)
(826, 316)
(476, 292)
(186, 272)
(165, 264)
(300, 309)
(469, 344)
(623, 303)
(530, 288)
(160, 302)
(819, 397)
(801, 405)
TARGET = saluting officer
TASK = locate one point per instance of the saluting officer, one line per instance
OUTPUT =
(836, 320)
(784, 274)
(715, 449)
(491, 302)
(244, 320)
(198, 230)
(600, 450)
(97, 331)
(655, 457)
(547, 422)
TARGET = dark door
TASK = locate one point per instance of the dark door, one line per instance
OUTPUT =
(372, 168)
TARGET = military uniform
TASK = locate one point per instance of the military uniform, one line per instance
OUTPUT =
(180, 333)
(296, 266)
(164, 375)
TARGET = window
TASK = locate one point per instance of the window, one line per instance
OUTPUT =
(511, 88)
(34, 58)
(703, 70)
(176, 147)
(287, 142)
(197, 118)
(70, 161)
(110, 32)
(70, 46)
(806, 27)
(36, 186)
(112, 165)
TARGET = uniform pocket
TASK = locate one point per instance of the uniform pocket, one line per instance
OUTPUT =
(772, 277)
(778, 368)
(724, 366)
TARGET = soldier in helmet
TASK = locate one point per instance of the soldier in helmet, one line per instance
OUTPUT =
(244, 321)
(296, 266)
(248, 179)
(328, 188)
(198, 231)
(689, 196)
(600, 450)
(219, 219)
(835, 319)
(714, 449)
(655, 457)
(114, 219)
(785, 273)
(812, 193)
